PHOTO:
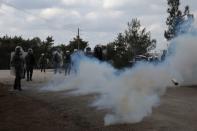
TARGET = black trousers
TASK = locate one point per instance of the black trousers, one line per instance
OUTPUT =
(29, 70)
(43, 67)
(17, 82)
(67, 68)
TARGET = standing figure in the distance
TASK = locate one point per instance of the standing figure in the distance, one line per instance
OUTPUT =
(67, 63)
(98, 53)
(30, 62)
(43, 62)
(17, 61)
(88, 52)
(57, 61)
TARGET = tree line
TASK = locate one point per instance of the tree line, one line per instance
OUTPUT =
(133, 41)
(123, 49)
(8, 44)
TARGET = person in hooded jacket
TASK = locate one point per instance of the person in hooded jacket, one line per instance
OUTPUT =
(18, 63)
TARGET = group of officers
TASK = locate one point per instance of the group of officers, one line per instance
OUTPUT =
(22, 63)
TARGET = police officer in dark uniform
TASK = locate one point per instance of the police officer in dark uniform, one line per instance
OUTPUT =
(88, 52)
(67, 63)
(30, 62)
(57, 61)
(98, 53)
(43, 62)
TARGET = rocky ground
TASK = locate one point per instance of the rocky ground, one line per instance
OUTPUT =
(31, 109)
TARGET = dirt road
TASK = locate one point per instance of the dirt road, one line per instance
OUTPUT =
(32, 110)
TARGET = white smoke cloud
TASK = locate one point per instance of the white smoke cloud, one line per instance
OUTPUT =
(184, 60)
(131, 94)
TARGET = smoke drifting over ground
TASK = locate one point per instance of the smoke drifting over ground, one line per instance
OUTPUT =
(184, 61)
(130, 95)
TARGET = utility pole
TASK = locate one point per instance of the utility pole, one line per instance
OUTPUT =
(78, 37)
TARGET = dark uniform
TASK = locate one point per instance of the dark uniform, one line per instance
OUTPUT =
(18, 63)
(67, 63)
(88, 52)
(30, 62)
(43, 62)
(57, 61)
(98, 53)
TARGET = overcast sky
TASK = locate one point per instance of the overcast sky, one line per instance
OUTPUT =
(99, 20)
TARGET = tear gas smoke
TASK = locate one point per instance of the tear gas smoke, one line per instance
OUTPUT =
(131, 94)
(183, 61)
